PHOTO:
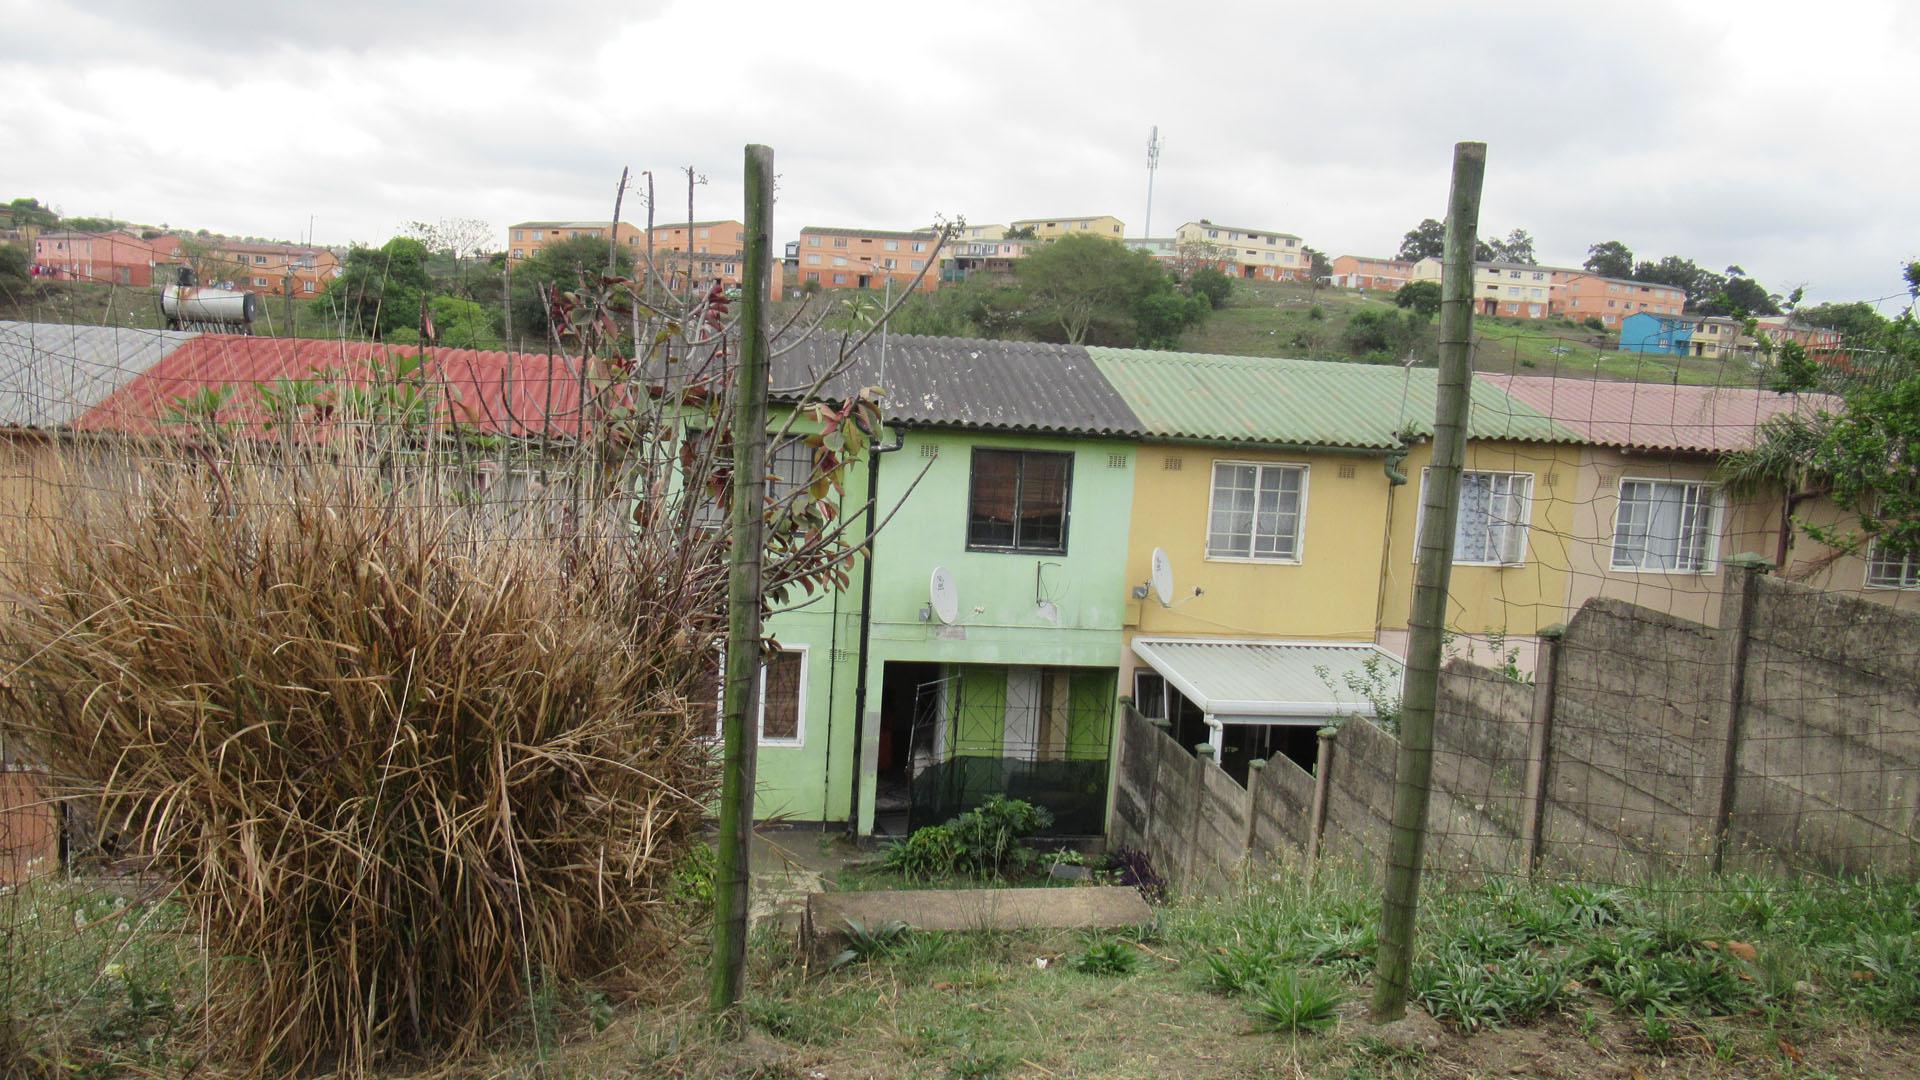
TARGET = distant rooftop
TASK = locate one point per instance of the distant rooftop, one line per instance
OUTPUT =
(1658, 416)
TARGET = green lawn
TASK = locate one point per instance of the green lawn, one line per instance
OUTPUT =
(1276, 319)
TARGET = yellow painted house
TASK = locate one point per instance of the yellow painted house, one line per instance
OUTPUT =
(1274, 509)
(1054, 228)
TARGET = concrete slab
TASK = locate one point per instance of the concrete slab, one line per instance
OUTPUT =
(823, 926)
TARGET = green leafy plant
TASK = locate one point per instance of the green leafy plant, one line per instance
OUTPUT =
(1238, 969)
(1296, 1002)
(988, 839)
(866, 943)
(928, 853)
(1107, 956)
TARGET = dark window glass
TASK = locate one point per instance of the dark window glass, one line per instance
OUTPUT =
(1018, 500)
(780, 713)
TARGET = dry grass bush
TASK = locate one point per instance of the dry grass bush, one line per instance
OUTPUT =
(400, 757)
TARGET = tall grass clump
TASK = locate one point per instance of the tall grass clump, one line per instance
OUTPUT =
(400, 759)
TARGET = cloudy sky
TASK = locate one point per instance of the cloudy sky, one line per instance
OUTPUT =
(1777, 136)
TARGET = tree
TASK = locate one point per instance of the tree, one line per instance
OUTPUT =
(15, 279)
(1699, 283)
(1610, 258)
(1081, 281)
(1211, 284)
(380, 290)
(1427, 240)
(1318, 265)
(1382, 334)
(30, 212)
(1860, 456)
(1423, 297)
(1516, 248)
(1741, 296)
(1853, 320)
(1160, 317)
(1192, 256)
(1024, 232)
(91, 224)
(559, 266)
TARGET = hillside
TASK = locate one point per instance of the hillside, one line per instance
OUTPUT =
(1276, 319)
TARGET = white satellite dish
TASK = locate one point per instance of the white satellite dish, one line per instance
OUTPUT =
(1162, 577)
(943, 595)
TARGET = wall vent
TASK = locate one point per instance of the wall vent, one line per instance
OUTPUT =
(1116, 461)
(1553, 479)
(929, 450)
(1346, 472)
(1171, 464)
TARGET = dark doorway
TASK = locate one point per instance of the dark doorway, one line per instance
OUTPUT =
(900, 704)
(866, 282)
(1298, 743)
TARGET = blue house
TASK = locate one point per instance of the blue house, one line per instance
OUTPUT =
(1645, 332)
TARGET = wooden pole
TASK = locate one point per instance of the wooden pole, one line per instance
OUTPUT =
(1427, 620)
(747, 511)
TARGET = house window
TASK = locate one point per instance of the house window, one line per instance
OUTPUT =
(1539, 277)
(1888, 571)
(1256, 511)
(1492, 527)
(839, 241)
(813, 260)
(893, 245)
(703, 233)
(306, 286)
(1514, 274)
(783, 697)
(919, 245)
(813, 241)
(813, 275)
(259, 260)
(918, 263)
(839, 279)
(839, 260)
(1149, 693)
(1665, 526)
(1017, 501)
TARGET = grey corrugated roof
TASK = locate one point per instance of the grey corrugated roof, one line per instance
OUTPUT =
(51, 373)
(963, 382)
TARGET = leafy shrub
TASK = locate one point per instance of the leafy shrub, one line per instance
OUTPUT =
(1212, 284)
(1316, 313)
(1296, 1002)
(1107, 956)
(987, 840)
(1421, 296)
(694, 876)
(1240, 969)
(1592, 322)
(1472, 993)
(929, 853)
(1132, 867)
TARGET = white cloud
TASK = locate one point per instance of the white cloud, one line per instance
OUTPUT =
(1750, 133)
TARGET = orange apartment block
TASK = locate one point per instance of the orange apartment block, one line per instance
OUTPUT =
(701, 250)
(1374, 274)
(263, 266)
(1579, 294)
(108, 258)
(866, 258)
(525, 240)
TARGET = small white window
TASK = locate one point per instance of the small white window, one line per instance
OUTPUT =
(1149, 693)
(1886, 571)
(1256, 511)
(813, 260)
(1491, 529)
(1665, 526)
(893, 245)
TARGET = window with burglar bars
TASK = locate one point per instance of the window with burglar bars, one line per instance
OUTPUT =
(1665, 526)
(1492, 526)
(1256, 511)
(1017, 501)
(790, 467)
(783, 697)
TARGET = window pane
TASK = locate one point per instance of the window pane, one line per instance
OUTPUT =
(1230, 530)
(1277, 522)
(1630, 525)
(1043, 501)
(1472, 532)
(789, 467)
(780, 712)
(990, 504)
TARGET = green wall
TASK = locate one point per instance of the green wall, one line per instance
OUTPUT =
(1001, 620)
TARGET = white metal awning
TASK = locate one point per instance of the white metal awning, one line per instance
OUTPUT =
(1241, 681)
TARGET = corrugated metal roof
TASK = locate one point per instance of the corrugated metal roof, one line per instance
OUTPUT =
(877, 234)
(1658, 416)
(1244, 399)
(963, 382)
(1239, 681)
(497, 392)
(52, 373)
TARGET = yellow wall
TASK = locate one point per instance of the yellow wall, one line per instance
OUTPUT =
(1052, 228)
(1330, 594)
(1516, 601)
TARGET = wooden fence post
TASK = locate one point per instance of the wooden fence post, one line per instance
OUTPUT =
(1256, 771)
(1740, 585)
(1539, 747)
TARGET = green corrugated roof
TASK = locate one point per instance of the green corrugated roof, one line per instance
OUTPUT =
(1251, 399)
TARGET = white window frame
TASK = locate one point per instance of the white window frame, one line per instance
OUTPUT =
(1713, 501)
(1906, 571)
(1525, 521)
(1300, 524)
(1159, 709)
(760, 731)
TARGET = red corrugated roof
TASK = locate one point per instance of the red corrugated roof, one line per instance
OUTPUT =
(495, 392)
(1658, 416)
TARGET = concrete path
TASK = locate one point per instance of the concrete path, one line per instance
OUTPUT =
(823, 928)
